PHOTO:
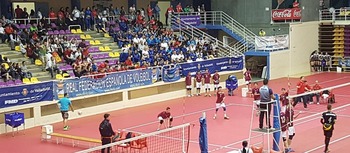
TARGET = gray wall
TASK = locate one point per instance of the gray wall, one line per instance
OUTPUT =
(252, 13)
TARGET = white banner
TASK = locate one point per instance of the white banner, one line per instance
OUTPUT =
(272, 42)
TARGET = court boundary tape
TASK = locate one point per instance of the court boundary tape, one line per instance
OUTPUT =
(334, 141)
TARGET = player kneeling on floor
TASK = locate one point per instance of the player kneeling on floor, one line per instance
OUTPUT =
(220, 103)
(165, 116)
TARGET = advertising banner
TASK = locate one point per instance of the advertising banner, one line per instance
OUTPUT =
(115, 81)
(26, 94)
(171, 73)
(272, 42)
(286, 14)
(220, 64)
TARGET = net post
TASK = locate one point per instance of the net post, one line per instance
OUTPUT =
(183, 139)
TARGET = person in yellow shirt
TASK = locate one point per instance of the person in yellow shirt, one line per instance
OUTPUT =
(262, 33)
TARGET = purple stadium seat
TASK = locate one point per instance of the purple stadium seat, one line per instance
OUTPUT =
(18, 82)
(50, 33)
(97, 49)
(28, 26)
(95, 56)
(107, 29)
(10, 83)
(56, 32)
(2, 84)
(62, 32)
(69, 67)
(53, 26)
(22, 26)
(16, 25)
(87, 43)
(71, 74)
(117, 29)
(68, 32)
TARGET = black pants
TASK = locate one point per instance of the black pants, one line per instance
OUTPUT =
(299, 99)
(106, 141)
(264, 113)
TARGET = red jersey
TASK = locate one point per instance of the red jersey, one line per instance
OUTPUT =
(52, 14)
(169, 10)
(247, 76)
(256, 93)
(207, 77)
(300, 87)
(283, 99)
(149, 11)
(283, 121)
(164, 114)
(198, 77)
(178, 8)
(216, 78)
(188, 80)
(290, 116)
(18, 12)
(220, 97)
(316, 87)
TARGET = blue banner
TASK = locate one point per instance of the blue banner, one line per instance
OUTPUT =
(194, 20)
(155, 74)
(220, 64)
(171, 73)
(276, 123)
(203, 136)
(111, 82)
(26, 94)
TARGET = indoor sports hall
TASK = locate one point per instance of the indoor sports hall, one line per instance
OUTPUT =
(126, 62)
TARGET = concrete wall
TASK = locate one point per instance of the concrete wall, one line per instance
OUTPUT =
(253, 13)
(295, 60)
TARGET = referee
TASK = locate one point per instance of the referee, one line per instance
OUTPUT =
(328, 120)
(266, 95)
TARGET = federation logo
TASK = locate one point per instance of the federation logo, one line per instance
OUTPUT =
(24, 92)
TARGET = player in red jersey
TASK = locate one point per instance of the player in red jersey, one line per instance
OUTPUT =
(165, 116)
(220, 103)
(284, 128)
(198, 80)
(247, 78)
(317, 87)
(188, 82)
(216, 81)
(256, 96)
(207, 78)
(300, 90)
(290, 119)
(284, 99)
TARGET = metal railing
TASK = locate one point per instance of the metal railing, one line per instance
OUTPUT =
(221, 18)
(189, 30)
(334, 15)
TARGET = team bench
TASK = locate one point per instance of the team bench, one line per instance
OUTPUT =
(75, 139)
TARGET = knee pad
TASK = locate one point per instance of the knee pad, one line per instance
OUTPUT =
(171, 119)
(291, 136)
(217, 109)
(284, 139)
(224, 108)
(161, 121)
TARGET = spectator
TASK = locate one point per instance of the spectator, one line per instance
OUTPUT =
(262, 33)
(24, 14)
(18, 12)
(25, 72)
(14, 40)
(4, 73)
(2, 34)
(51, 67)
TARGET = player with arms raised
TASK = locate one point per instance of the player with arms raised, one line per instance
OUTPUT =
(328, 120)
(284, 100)
(198, 80)
(220, 103)
(216, 81)
(207, 78)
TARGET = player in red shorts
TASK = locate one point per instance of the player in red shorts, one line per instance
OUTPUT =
(198, 80)
(165, 116)
(284, 128)
(188, 82)
(290, 119)
(207, 78)
(216, 81)
(220, 103)
(284, 99)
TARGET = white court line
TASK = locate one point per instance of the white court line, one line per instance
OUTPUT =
(334, 141)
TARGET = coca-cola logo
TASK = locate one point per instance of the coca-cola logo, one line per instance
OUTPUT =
(286, 14)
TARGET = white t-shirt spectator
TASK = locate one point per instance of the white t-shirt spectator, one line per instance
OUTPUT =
(76, 14)
(136, 40)
(192, 48)
(2, 30)
(174, 57)
(48, 56)
(164, 45)
(88, 59)
(145, 52)
(125, 49)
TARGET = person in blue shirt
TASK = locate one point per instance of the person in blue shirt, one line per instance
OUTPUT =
(64, 105)
(88, 16)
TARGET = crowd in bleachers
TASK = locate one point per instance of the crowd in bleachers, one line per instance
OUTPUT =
(143, 41)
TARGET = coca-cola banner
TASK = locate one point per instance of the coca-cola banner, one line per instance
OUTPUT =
(286, 14)
(272, 42)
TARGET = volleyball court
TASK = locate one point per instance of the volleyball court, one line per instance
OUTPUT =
(223, 135)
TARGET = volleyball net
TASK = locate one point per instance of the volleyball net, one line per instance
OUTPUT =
(170, 140)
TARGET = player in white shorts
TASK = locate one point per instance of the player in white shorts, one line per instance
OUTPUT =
(290, 119)
(220, 103)
(198, 80)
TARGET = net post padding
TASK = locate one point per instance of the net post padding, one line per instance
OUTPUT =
(182, 127)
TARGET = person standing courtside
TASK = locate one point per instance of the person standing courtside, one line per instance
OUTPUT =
(328, 120)
(64, 104)
(301, 90)
(266, 95)
(106, 132)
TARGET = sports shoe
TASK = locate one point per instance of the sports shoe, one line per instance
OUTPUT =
(291, 150)
(214, 117)
(158, 129)
(66, 128)
(209, 95)
(318, 103)
(226, 118)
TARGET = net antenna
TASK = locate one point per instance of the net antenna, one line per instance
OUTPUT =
(170, 140)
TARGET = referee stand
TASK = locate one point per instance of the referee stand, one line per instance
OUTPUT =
(268, 134)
